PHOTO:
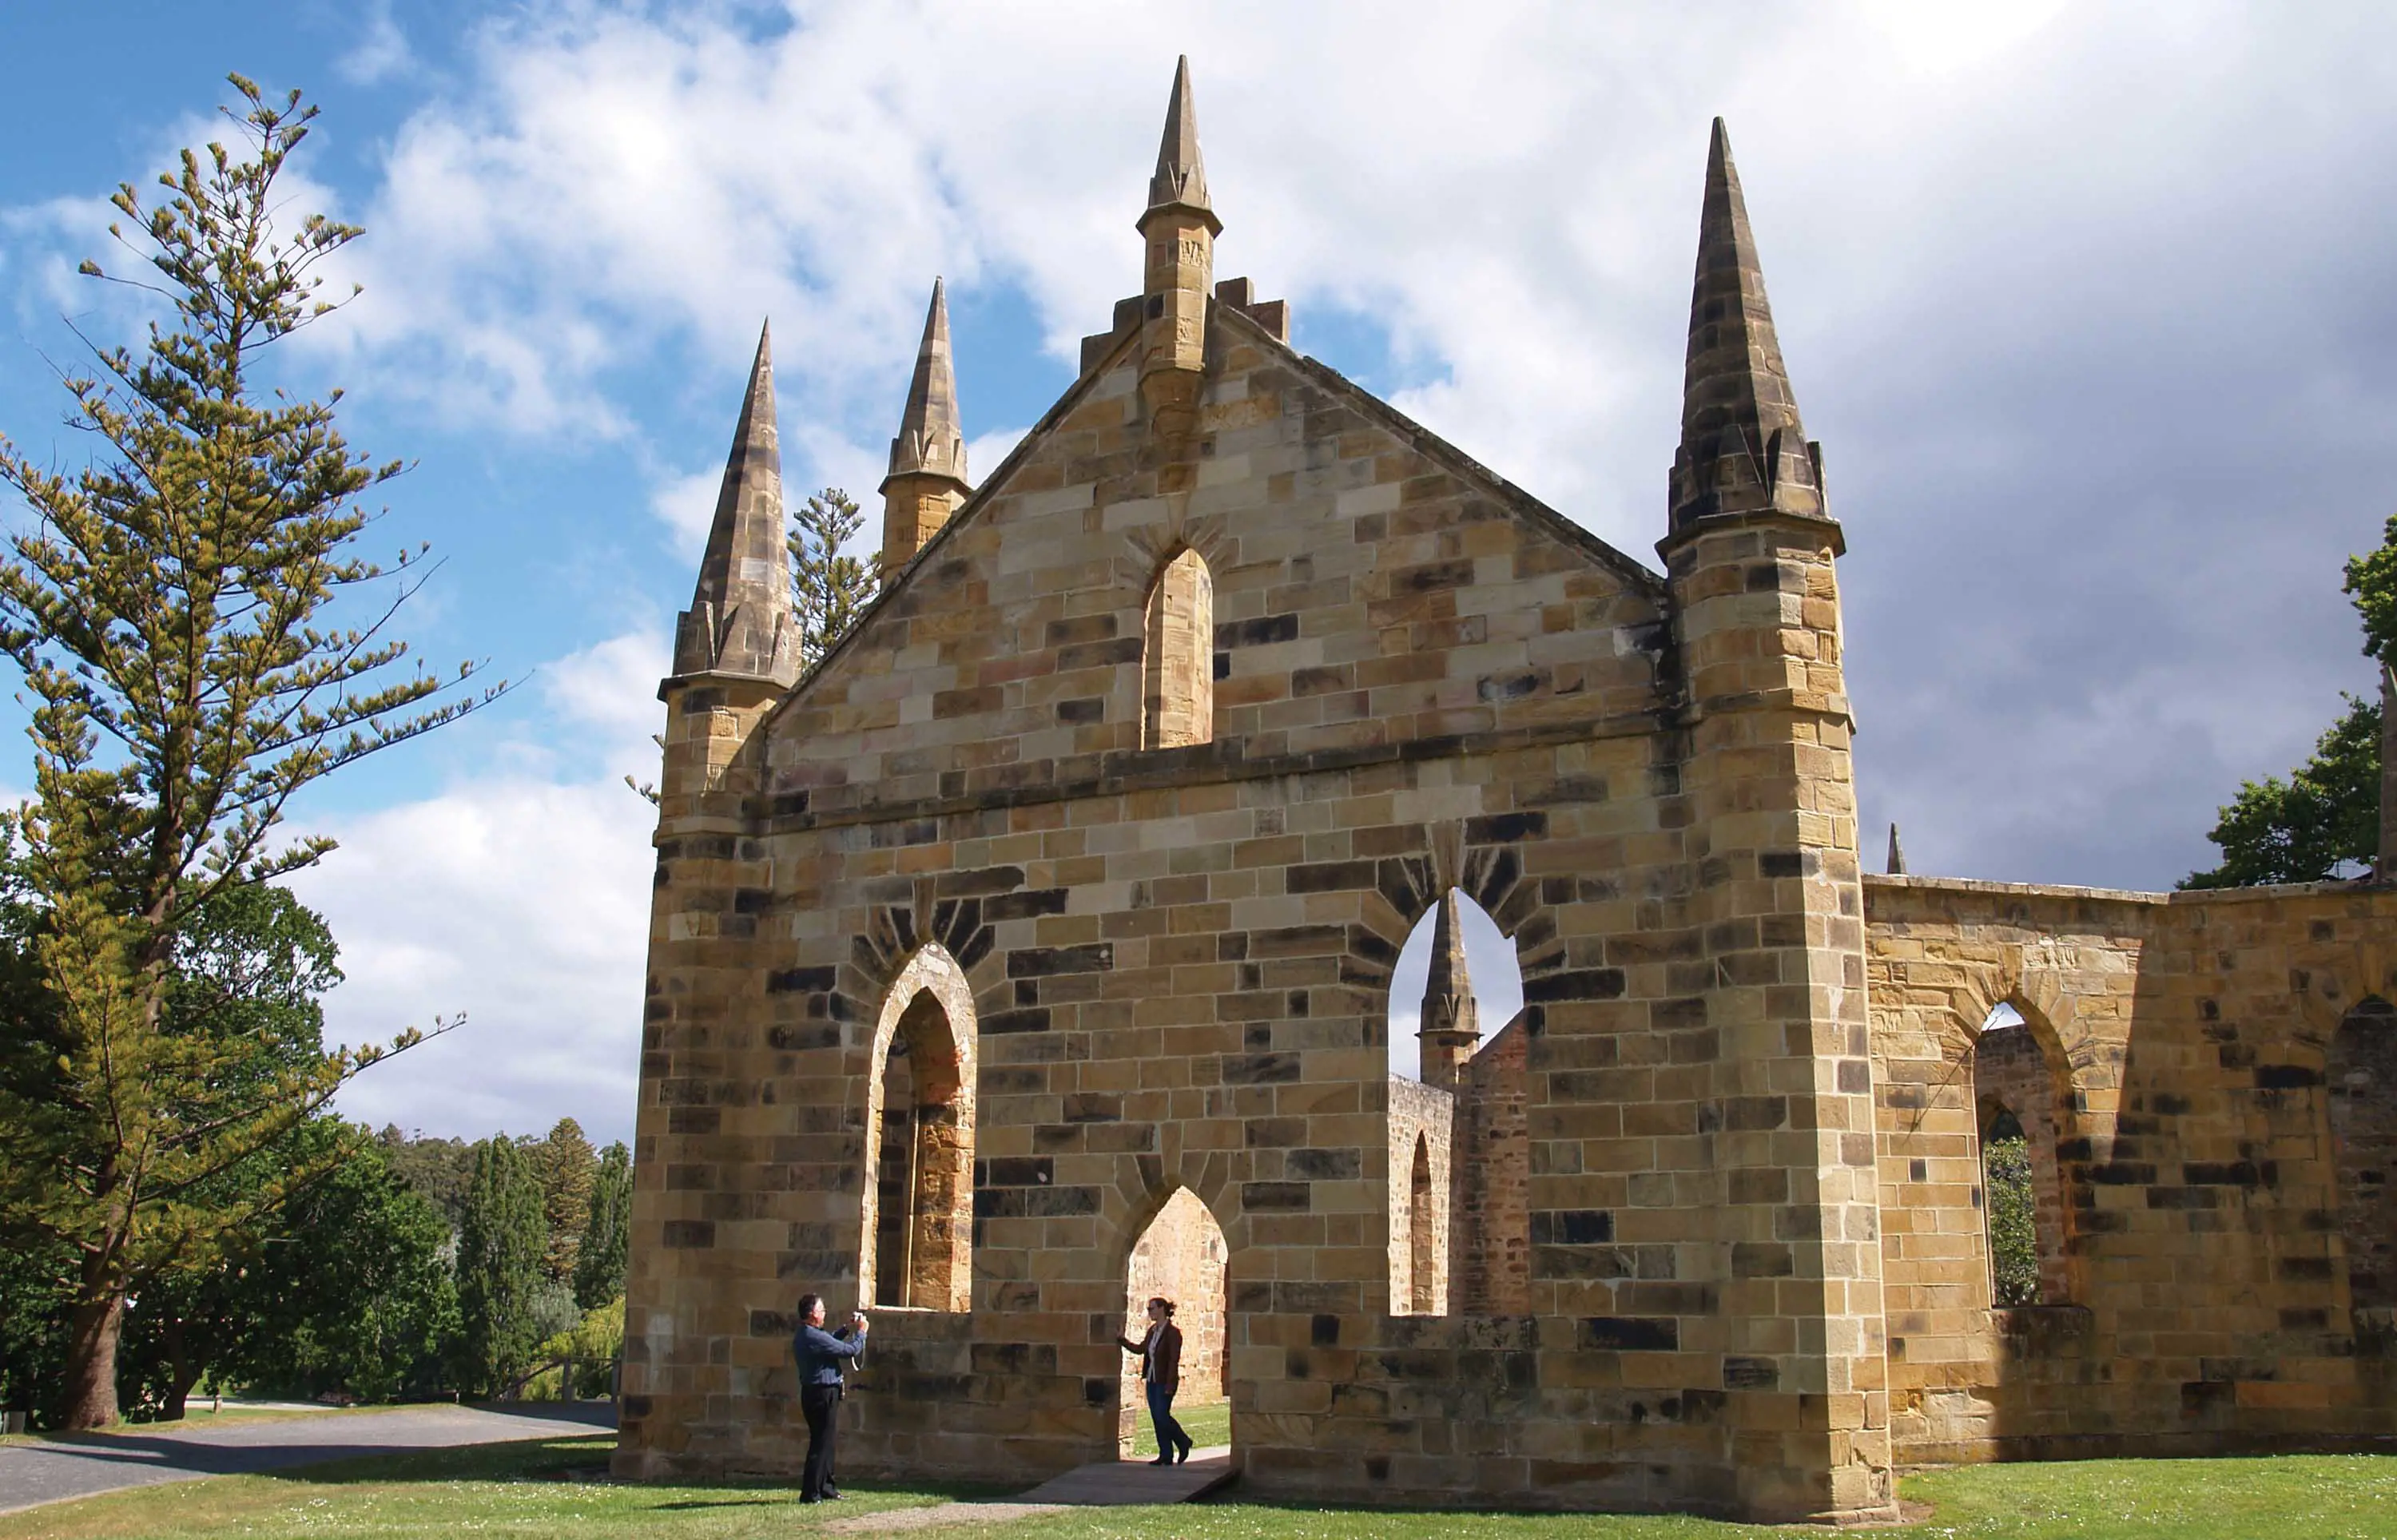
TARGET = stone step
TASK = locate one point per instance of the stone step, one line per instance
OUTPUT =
(1104, 1484)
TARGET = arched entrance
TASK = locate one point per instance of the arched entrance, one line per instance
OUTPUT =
(1182, 1255)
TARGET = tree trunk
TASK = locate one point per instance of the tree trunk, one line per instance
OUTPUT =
(92, 1331)
(181, 1375)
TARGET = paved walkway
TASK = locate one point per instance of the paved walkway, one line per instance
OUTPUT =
(81, 1466)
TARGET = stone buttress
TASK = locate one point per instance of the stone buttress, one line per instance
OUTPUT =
(1777, 901)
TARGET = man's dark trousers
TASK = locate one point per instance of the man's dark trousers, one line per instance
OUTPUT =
(820, 1405)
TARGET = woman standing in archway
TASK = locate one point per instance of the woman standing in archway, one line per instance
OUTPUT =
(1160, 1374)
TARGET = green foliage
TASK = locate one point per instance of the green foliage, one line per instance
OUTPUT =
(37, 1290)
(354, 1295)
(2371, 585)
(166, 605)
(607, 1232)
(2014, 1234)
(2318, 823)
(564, 1164)
(438, 1169)
(500, 1248)
(829, 589)
(593, 1342)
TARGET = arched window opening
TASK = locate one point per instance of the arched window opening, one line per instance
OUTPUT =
(1178, 663)
(2021, 1197)
(1424, 1237)
(1459, 1191)
(2361, 1076)
(1460, 977)
(915, 1248)
(1181, 1256)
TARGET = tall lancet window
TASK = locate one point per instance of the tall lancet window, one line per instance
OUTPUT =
(1178, 664)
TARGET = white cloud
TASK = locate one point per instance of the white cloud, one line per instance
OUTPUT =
(687, 506)
(381, 52)
(520, 899)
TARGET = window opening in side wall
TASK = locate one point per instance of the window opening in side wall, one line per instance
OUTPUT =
(2017, 1099)
(2361, 1076)
(1458, 1150)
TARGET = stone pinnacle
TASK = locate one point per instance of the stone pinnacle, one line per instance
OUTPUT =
(1742, 447)
(740, 607)
(930, 441)
(1180, 179)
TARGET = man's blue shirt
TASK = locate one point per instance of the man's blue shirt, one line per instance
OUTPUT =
(820, 1354)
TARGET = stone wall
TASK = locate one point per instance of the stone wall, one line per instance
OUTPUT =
(2206, 1297)
(1421, 1118)
(1490, 1191)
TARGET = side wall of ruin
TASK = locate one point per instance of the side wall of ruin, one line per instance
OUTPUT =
(2202, 1300)
(1422, 1224)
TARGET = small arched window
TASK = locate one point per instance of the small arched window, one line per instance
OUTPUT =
(2021, 1195)
(1423, 1237)
(1178, 663)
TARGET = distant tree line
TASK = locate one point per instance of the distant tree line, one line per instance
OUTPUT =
(399, 1269)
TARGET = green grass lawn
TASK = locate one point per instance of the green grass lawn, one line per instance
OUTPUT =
(1209, 1423)
(540, 1490)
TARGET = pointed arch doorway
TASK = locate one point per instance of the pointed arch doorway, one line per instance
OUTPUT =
(1181, 1254)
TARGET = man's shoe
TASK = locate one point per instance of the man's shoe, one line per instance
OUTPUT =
(1163, 1459)
(1185, 1454)
(832, 1497)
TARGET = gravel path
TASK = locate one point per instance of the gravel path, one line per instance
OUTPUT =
(81, 1466)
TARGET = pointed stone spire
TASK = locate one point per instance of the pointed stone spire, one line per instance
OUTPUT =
(1896, 854)
(1743, 448)
(928, 459)
(1177, 233)
(2387, 866)
(1180, 179)
(740, 620)
(1450, 1028)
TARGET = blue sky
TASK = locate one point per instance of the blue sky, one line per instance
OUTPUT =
(2087, 304)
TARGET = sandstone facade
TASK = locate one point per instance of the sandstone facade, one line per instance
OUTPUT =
(1073, 880)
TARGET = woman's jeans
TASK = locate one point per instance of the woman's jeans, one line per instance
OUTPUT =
(1170, 1436)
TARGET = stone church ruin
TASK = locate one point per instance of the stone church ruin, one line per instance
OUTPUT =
(1034, 952)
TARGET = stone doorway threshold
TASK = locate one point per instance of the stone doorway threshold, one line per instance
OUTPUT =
(1102, 1484)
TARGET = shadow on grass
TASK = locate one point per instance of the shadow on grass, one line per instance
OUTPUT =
(572, 1459)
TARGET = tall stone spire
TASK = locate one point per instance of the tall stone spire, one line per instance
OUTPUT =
(1896, 854)
(928, 459)
(1450, 1029)
(1743, 448)
(1178, 232)
(1180, 179)
(740, 620)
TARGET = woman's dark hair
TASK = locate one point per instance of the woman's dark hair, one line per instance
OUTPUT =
(1167, 1304)
(808, 1304)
